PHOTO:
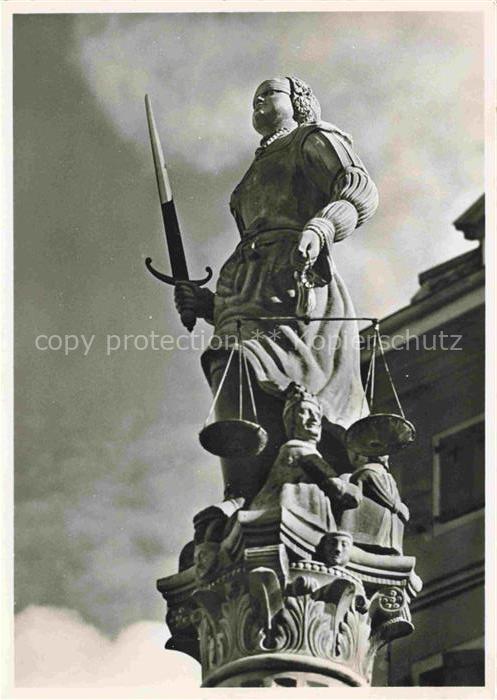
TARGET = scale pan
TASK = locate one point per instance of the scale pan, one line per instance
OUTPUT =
(380, 434)
(233, 438)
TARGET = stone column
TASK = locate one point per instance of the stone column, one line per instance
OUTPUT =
(273, 603)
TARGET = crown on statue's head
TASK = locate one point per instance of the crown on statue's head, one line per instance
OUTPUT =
(296, 394)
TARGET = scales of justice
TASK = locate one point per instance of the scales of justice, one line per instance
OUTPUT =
(297, 576)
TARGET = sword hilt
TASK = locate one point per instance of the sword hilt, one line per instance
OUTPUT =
(188, 316)
(189, 319)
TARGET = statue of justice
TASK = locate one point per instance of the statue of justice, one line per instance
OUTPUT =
(281, 311)
(303, 554)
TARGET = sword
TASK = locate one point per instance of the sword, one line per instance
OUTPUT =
(171, 226)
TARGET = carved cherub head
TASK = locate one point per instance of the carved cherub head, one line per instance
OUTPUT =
(283, 102)
(302, 414)
(335, 548)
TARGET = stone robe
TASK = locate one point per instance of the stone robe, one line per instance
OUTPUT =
(378, 523)
(288, 469)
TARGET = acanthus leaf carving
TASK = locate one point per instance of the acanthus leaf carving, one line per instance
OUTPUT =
(255, 612)
(265, 590)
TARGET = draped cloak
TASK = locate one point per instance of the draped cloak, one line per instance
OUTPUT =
(375, 523)
(294, 179)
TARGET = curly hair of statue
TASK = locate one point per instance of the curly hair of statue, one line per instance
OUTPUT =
(307, 109)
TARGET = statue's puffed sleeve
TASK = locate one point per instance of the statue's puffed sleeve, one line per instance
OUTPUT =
(333, 165)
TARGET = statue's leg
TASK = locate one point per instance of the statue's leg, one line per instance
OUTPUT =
(245, 476)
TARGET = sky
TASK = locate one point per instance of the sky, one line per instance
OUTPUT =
(108, 471)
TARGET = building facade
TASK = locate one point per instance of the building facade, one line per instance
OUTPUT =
(435, 352)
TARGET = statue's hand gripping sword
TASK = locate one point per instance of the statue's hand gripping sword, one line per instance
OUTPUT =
(171, 226)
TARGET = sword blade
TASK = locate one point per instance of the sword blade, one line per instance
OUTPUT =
(175, 248)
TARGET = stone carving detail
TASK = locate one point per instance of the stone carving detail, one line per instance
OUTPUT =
(287, 583)
(335, 548)
(272, 556)
(209, 527)
(265, 590)
(254, 614)
(222, 631)
(390, 600)
(378, 522)
(302, 585)
(304, 627)
(391, 613)
(299, 461)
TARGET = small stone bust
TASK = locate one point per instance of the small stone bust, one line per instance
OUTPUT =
(335, 548)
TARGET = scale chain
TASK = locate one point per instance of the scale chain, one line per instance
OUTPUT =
(251, 391)
(223, 378)
(387, 369)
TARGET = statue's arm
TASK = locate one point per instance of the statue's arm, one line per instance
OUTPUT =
(348, 495)
(340, 491)
(336, 169)
(317, 468)
(375, 487)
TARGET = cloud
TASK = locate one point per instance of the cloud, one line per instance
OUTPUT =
(180, 61)
(358, 63)
(105, 521)
(55, 648)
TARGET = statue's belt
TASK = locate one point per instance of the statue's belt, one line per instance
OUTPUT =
(253, 240)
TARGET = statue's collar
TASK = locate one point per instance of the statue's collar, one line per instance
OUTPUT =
(277, 144)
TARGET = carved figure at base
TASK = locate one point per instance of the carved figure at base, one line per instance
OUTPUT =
(377, 525)
(335, 548)
(299, 460)
(209, 527)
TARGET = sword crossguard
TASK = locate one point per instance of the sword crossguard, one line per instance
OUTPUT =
(188, 317)
(172, 280)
